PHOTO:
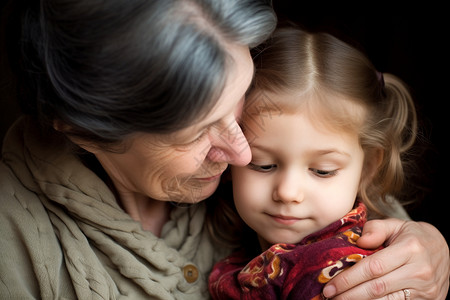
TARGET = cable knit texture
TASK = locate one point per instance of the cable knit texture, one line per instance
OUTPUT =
(65, 236)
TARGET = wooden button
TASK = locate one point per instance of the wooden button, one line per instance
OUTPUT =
(190, 273)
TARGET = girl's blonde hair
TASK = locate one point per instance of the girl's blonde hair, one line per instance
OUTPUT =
(321, 65)
(323, 70)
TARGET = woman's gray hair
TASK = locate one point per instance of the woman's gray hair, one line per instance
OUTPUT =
(112, 68)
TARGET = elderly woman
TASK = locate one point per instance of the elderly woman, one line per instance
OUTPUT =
(131, 111)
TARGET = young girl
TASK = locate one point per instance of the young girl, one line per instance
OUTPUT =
(328, 135)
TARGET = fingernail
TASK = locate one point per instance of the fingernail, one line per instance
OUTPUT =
(329, 291)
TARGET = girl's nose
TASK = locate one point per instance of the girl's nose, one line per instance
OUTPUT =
(289, 188)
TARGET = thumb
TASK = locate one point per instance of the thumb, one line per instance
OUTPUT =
(378, 232)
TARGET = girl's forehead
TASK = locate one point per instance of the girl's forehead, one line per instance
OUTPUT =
(328, 110)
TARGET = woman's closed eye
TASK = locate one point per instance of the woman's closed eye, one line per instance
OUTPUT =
(200, 137)
(262, 168)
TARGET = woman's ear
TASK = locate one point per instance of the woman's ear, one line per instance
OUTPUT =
(64, 128)
(60, 126)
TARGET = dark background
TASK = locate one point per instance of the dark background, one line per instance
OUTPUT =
(410, 42)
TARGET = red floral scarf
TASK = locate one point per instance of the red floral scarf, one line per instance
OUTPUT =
(292, 271)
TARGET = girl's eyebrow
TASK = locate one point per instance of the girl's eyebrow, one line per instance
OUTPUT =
(332, 151)
(321, 152)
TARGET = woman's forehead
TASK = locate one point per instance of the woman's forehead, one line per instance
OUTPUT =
(239, 77)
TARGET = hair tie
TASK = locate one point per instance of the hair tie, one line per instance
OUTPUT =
(380, 78)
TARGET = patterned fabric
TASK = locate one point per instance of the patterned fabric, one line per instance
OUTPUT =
(292, 271)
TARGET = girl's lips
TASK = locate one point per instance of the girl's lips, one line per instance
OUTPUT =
(285, 220)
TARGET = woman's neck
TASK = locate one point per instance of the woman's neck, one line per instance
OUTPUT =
(152, 214)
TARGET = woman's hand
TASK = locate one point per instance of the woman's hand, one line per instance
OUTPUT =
(416, 258)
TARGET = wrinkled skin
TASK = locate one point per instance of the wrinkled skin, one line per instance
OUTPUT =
(425, 257)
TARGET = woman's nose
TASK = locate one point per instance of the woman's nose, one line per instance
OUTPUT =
(230, 146)
(289, 188)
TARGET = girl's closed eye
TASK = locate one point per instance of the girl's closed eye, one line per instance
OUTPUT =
(262, 168)
(323, 173)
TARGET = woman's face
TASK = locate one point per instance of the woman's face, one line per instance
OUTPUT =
(186, 166)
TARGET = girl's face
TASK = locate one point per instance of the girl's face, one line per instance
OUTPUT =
(301, 178)
(186, 166)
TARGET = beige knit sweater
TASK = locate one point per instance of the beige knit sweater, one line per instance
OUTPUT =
(64, 236)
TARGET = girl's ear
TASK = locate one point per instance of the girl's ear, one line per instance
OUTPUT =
(373, 162)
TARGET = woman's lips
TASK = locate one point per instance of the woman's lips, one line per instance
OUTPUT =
(212, 178)
(217, 170)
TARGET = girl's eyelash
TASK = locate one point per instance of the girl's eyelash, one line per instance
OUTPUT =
(271, 167)
(324, 173)
(262, 168)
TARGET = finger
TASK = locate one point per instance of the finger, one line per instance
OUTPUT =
(417, 258)
(376, 232)
(399, 295)
(386, 286)
(367, 269)
(381, 288)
